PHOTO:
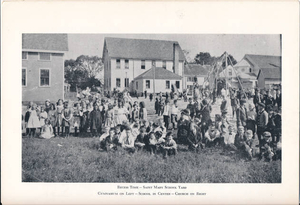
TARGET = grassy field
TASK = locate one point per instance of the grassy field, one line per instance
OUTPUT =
(77, 159)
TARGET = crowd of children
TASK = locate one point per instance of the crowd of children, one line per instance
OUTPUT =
(124, 123)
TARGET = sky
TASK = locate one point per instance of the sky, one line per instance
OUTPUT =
(216, 44)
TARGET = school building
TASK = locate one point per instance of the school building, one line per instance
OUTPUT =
(43, 66)
(135, 64)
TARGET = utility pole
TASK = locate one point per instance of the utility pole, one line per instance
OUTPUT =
(226, 71)
(153, 78)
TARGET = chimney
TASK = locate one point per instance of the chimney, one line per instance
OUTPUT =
(176, 58)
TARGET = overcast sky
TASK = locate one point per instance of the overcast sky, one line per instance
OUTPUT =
(216, 45)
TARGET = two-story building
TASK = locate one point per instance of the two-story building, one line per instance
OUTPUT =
(125, 59)
(43, 66)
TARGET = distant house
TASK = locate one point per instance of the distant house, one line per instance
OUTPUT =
(43, 66)
(126, 59)
(269, 77)
(228, 73)
(164, 80)
(253, 63)
(192, 71)
(266, 69)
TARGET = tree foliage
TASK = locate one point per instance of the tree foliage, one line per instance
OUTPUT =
(85, 71)
(204, 58)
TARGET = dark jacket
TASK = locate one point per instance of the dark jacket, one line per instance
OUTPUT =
(95, 119)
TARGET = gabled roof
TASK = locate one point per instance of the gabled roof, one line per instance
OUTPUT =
(143, 49)
(264, 61)
(195, 70)
(45, 42)
(160, 73)
(270, 73)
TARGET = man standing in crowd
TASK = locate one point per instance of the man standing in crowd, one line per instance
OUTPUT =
(261, 121)
(241, 114)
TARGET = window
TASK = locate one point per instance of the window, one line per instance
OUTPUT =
(250, 70)
(24, 77)
(118, 65)
(45, 56)
(164, 65)
(24, 55)
(126, 64)
(177, 84)
(229, 72)
(137, 85)
(147, 84)
(167, 84)
(118, 82)
(126, 82)
(143, 64)
(45, 77)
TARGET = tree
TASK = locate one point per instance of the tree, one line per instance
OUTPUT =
(230, 59)
(203, 58)
(84, 72)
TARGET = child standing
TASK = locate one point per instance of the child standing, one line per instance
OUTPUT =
(76, 116)
(67, 115)
(43, 116)
(143, 111)
(52, 117)
(33, 121)
(96, 121)
(59, 110)
(109, 117)
(174, 113)
(27, 115)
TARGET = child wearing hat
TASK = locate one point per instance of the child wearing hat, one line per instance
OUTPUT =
(266, 149)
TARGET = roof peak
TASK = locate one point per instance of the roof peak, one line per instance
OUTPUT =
(142, 39)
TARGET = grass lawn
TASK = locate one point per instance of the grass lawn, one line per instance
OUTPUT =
(77, 159)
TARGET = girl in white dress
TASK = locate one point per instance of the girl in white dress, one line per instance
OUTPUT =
(33, 121)
(121, 113)
(47, 130)
(43, 116)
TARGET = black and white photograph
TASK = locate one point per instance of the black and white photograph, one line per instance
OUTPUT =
(150, 102)
(151, 108)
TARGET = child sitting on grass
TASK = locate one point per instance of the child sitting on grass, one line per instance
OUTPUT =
(212, 136)
(266, 149)
(47, 130)
(248, 144)
(140, 140)
(228, 138)
(151, 144)
(169, 147)
(110, 142)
